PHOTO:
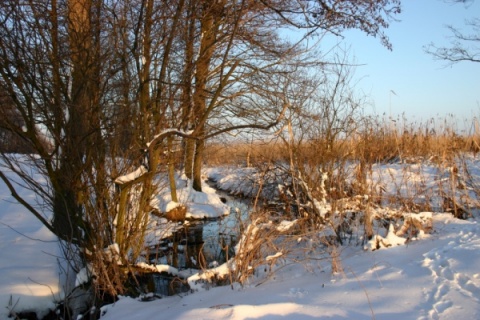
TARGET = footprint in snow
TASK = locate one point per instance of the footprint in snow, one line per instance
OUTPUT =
(465, 283)
(441, 291)
(441, 306)
(297, 293)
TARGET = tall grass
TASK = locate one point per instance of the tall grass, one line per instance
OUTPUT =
(375, 140)
(351, 164)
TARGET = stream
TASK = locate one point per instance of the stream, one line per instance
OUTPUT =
(199, 244)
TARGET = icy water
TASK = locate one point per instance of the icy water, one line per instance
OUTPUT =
(201, 244)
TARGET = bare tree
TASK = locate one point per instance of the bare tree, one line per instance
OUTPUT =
(241, 56)
(336, 16)
(69, 85)
(323, 117)
(218, 32)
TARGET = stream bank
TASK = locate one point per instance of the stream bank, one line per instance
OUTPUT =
(199, 244)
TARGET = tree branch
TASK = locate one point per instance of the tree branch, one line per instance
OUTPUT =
(17, 197)
(251, 126)
(463, 47)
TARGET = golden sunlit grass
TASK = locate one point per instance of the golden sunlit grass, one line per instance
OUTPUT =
(374, 142)
(349, 162)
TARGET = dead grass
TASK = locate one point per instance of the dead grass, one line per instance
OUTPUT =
(376, 141)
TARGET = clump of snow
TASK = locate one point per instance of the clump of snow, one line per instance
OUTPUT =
(391, 239)
(421, 222)
(274, 256)
(322, 207)
(169, 131)
(158, 268)
(247, 240)
(132, 175)
(286, 225)
(112, 253)
(83, 276)
(196, 281)
(414, 227)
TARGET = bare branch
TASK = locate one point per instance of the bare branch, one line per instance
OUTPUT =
(22, 201)
(463, 46)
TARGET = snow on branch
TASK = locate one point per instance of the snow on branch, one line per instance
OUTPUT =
(169, 132)
(143, 169)
(158, 268)
(132, 176)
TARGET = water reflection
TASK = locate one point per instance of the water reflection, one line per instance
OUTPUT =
(199, 245)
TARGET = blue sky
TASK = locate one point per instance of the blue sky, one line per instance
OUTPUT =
(425, 88)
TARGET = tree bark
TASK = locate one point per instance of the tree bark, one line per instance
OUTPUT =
(208, 27)
(67, 183)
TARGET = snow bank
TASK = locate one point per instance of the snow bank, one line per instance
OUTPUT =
(29, 264)
(197, 280)
(200, 205)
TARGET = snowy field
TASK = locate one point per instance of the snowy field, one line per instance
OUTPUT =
(434, 277)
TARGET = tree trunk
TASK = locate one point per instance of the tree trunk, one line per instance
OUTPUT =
(197, 164)
(187, 88)
(67, 210)
(189, 156)
(171, 170)
(208, 41)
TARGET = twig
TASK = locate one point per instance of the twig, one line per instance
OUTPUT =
(366, 293)
(24, 235)
(12, 306)
(43, 284)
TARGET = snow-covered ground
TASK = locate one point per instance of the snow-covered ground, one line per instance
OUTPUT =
(30, 272)
(434, 277)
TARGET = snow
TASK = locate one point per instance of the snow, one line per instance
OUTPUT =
(285, 225)
(132, 175)
(274, 256)
(159, 268)
(390, 240)
(169, 131)
(29, 259)
(196, 281)
(83, 276)
(200, 205)
(433, 276)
